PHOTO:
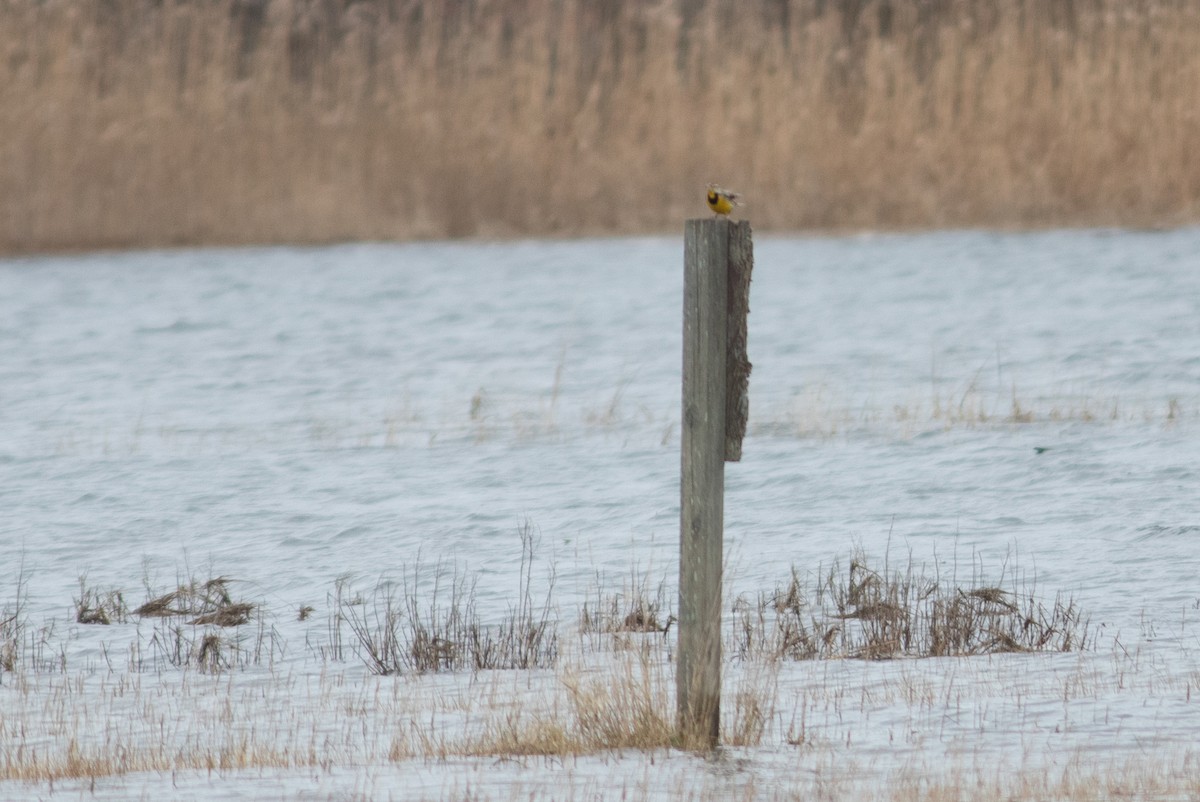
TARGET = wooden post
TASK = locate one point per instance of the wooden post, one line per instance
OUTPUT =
(708, 328)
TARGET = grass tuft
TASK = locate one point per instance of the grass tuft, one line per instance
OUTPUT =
(423, 632)
(880, 613)
(633, 608)
(99, 607)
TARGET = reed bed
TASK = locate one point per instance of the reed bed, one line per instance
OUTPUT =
(874, 612)
(142, 123)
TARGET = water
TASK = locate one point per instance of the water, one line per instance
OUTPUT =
(1021, 402)
(298, 414)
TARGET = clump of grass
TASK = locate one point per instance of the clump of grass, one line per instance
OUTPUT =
(395, 637)
(21, 644)
(528, 636)
(94, 606)
(206, 602)
(180, 645)
(419, 634)
(868, 613)
(626, 702)
(334, 647)
(233, 614)
(13, 625)
(781, 624)
(190, 599)
(627, 707)
(633, 608)
(205, 607)
(12, 629)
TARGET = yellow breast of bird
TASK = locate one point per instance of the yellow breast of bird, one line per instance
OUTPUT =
(719, 203)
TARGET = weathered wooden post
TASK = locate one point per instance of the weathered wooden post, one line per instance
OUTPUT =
(718, 259)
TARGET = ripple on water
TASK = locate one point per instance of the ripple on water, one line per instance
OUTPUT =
(303, 412)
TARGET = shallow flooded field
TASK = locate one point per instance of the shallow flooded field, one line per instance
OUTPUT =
(1014, 410)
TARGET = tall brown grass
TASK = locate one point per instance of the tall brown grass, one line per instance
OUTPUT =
(144, 122)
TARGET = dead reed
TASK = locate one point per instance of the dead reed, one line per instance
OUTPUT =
(442, 630)
(138, 123)
(95, 606)
(616, 704)
(628, 707)
(205, 602)
(13, 626)
(24, 647)
(821, 411)
(200, 645)
(878, 613)
(207, 609)
(631, 609)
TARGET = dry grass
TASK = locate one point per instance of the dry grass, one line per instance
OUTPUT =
(817, 411)
(821, 411)
(24, 647)
(629, 707)
(631, 609)
(620, 711)
(12, 630)
(625, 703)
(189, 624)
(135, 123)
(95, 606)
(203, 643)
(424, 631)
(876, 613)
(205, 603)
(616, 705)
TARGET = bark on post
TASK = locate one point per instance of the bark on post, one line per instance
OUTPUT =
(737, 364)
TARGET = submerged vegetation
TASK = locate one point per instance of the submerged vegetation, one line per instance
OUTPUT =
(139, 123)
(875, 613)
(612, 682)
(441, 629)
(416, 672)
(815, 412)
(432, 623)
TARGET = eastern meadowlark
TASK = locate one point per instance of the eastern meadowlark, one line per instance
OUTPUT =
(722, 201)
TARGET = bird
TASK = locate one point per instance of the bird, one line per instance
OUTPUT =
(722, 201)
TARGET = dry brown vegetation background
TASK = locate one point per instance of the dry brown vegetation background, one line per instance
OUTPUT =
(160, 122)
